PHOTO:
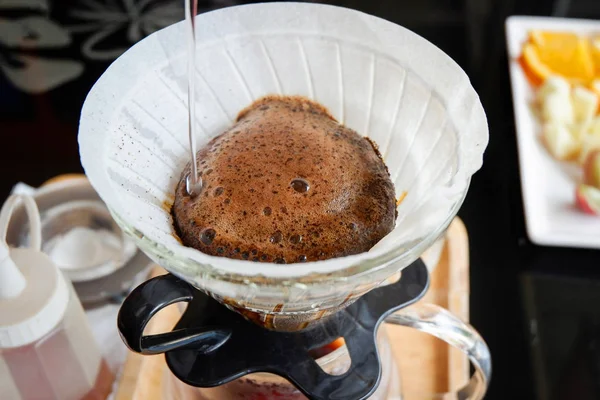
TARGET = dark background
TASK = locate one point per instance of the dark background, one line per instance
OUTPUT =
(537, 307)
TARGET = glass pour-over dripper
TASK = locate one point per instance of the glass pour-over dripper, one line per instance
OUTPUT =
(374, 76)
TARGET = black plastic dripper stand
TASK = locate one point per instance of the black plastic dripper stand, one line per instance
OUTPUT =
(211, 345)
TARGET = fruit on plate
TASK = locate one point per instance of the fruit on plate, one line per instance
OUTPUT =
(591, 169)
(535, 69)
(557, 107)
(564, 67)
(595, 85)
(595, 45)
(594, 127)
(588, 199)
(555, 84)
(561, 104)
(565, 110)
(552, 39)
(558, 53)
(585, 104)
(559, 140)
(590, 141)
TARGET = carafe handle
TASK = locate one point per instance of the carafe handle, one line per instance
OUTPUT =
(444, 325)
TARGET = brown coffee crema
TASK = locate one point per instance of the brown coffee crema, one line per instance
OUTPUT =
(286, 183)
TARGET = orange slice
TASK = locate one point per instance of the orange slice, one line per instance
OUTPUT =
(564, 54)
(595, 46)
(553, 39)
(595, 86)
(535, 69)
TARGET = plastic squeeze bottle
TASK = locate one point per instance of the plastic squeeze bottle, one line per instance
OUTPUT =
(47, 349)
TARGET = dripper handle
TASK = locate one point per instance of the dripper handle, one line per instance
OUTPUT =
(148, 299)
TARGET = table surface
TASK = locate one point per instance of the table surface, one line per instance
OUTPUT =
(535, 306)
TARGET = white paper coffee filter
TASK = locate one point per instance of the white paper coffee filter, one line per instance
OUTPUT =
(375, 77)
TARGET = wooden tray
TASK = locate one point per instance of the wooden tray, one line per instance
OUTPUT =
(427, 365)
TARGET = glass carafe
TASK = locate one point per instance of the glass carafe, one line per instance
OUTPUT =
(428, 318)
(205, 324)
(268, 386)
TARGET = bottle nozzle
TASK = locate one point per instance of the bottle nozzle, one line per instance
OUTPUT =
(12, 281)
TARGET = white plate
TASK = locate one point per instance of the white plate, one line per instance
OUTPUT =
(548, 186)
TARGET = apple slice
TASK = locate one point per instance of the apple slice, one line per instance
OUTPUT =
(594, 127)
(554, 84)
(580, 129)
(585, 104)
(595, 86)
(591, 169)
(560, 141)
(557, 107)
(589, 143)
(588, 199)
